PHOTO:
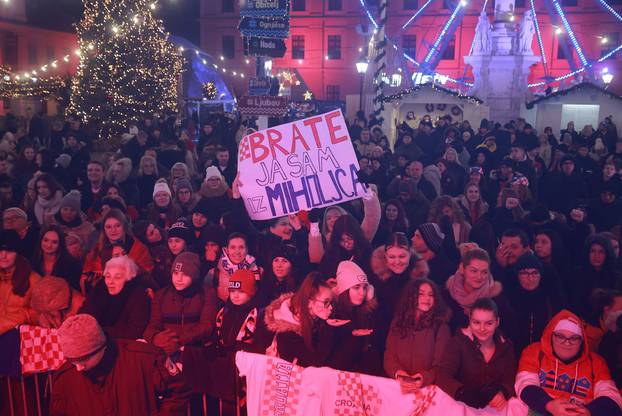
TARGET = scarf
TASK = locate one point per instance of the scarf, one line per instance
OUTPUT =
(47, 206)
(248, 263)
(455, 285)
(247, 329)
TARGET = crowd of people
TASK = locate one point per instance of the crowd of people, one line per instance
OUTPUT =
(486, 262)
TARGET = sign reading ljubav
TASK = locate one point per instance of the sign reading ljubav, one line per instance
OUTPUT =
(298, 166)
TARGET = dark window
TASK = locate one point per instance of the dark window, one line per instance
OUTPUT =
(298, 47)
(409, 44)
(560, 51)
(519, 4)
(334, 47)
(10, 50)
(449, 4)
(50, 51)
(569, 3)
(615, 2)
(450, 50)
(228, 46)
(410, 4)
(298, 6)
(32, 54)
(334, 5)
(613, 40)
(332, 93)
(227, 6)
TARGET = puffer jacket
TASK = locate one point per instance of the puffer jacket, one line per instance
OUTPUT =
(290, 344)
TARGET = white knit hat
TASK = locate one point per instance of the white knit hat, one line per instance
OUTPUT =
(350, 274)
(212, 171)
(161, 187)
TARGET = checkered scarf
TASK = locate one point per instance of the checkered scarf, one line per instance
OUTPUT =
(249, 263)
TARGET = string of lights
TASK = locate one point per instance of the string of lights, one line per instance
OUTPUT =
(414, 16)
(446, 29)
(539, 37)
(436, 87)
(568, 28)
(610, 9)
(31, 87)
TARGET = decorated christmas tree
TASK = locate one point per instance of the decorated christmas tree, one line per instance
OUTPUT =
(128, 69)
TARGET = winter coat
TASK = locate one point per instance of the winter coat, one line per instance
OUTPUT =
(124, 315)
(417, 349)
(190, 313)
(124, 383)
(542, 376)
(290, 344)
(67, 268)
(15, 293)
(464, 374)
(146, 184)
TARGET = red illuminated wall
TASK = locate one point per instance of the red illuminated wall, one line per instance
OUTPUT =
(317, 23)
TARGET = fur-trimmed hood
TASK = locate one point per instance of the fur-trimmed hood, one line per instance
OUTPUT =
(279, 317)
(380, 268)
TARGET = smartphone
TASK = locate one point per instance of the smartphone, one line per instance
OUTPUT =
(409, 379)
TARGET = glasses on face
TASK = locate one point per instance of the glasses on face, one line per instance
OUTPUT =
(573, 340)
(532, 274)
(326, 303)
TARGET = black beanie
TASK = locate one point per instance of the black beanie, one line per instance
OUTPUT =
(528, 261)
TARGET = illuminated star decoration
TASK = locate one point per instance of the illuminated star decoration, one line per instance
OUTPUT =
(210, 92)
(308, 95)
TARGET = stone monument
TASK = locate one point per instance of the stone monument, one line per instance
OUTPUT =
(501, 57)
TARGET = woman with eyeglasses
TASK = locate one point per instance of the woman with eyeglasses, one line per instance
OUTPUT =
(560, 375)
(298, 321)
(532, 300)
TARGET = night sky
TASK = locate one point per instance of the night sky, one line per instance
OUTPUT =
(180, 16)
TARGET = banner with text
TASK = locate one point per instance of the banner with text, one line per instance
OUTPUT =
(298, 166)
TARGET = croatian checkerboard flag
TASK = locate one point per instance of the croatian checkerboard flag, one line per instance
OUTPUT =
(39, 349)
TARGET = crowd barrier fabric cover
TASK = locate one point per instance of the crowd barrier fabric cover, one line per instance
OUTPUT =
(39, 349)
(278, 388)
(297, 166)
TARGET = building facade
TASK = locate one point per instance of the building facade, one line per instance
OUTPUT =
(327, 37)
(25, 48)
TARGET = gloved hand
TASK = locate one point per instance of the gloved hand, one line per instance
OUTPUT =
(167, 340)
(315, 214)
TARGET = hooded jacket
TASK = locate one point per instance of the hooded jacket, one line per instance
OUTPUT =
(584, 379)
(290, 344)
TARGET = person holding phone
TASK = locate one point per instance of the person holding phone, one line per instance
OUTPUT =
(355, 346)
(560, 376)
(417, 337)
(478, 365)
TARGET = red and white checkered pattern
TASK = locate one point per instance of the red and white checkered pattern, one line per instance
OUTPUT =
(39, 349)
(282, 384)
(245, 149)
(366, 400)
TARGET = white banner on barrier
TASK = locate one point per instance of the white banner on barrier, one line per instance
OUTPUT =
(278, 388)
(297, 166)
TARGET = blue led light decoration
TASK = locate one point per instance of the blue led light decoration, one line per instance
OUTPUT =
(414, 16)
(568, 28)
(539, 37)
(610, 9)
(447, 29)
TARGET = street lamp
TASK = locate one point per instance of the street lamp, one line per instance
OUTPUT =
(606, 76)
(361, 68)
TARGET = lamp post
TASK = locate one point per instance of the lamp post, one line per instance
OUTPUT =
(361, 68)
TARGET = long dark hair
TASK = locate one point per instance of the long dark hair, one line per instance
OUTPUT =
(61, 257)
(405, 320)
(401, 222)
(51, 182)
(300, 305)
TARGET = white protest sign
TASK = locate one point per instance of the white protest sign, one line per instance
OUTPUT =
(297, 166)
